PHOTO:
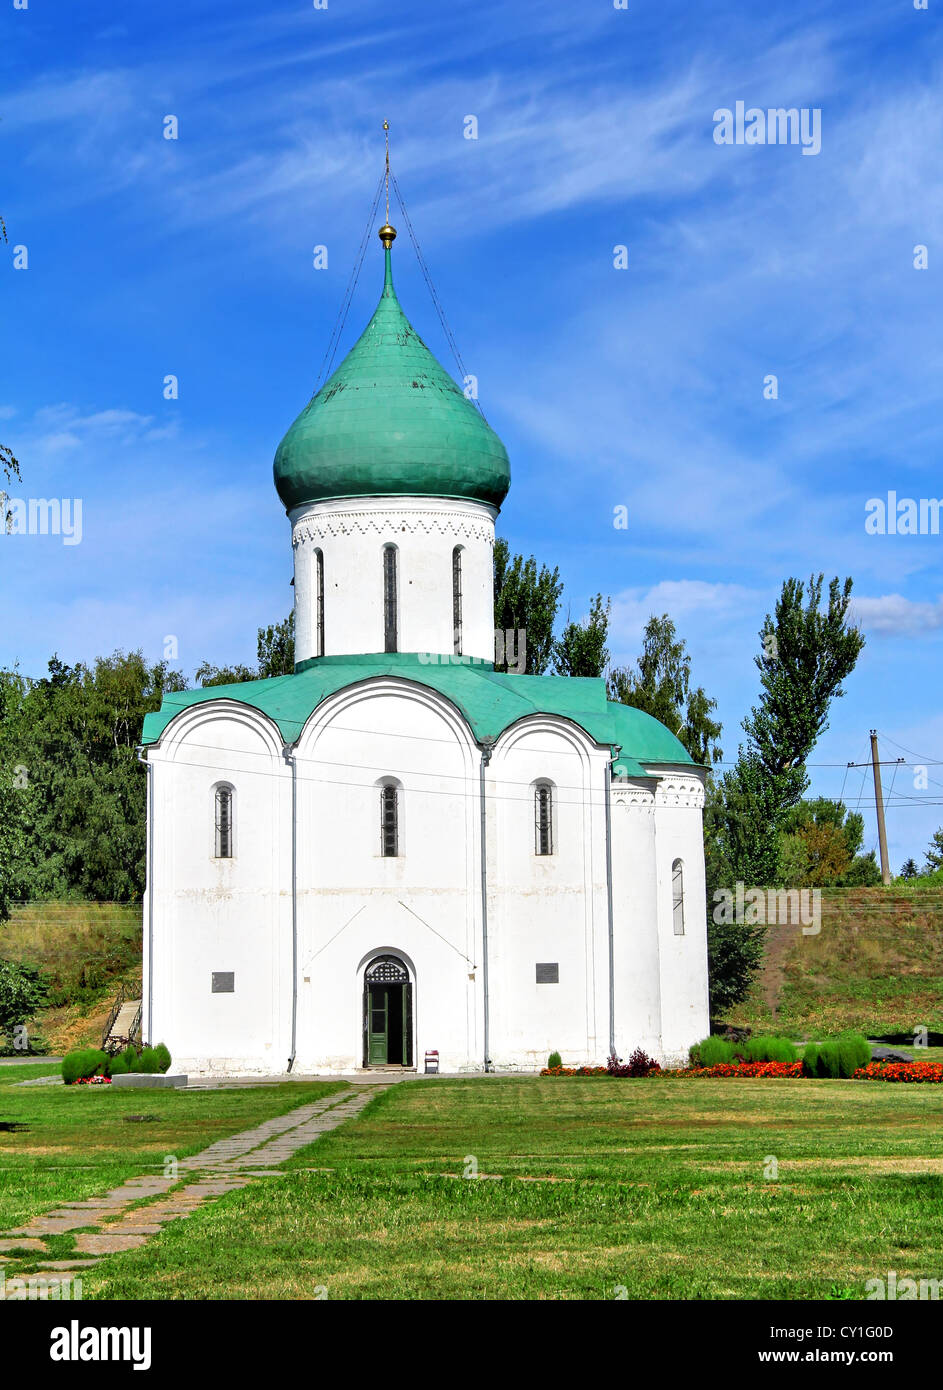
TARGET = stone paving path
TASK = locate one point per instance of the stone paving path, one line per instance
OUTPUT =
(130, 1214)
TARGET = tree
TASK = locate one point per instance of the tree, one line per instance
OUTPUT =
(737, 814)
(276, 648)
(807, 653)
(208, 675)
(935, 852)
(79, 804)
(11, 830)
(819, 847)
(909, 869)
(581, 649)
(732, 816)
(23, 990)
(661, 686)
(72, 790)
(863, 873)
(526, 600)
(275, 651)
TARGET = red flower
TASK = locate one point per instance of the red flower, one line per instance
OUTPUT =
(900, 1071)
(745, 1069)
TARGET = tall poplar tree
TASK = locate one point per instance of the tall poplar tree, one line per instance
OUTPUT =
(808, 649)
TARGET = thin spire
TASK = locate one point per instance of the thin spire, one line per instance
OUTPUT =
(386, 127)
(387, 233)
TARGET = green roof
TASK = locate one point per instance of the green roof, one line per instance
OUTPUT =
(390, 422)
(489, 700)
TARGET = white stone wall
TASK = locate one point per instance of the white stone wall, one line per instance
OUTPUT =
(215, 915)
(351, 535)
(354, 904)
(549, 909)
(425, 905)
(638, 1004)
(685, 1015)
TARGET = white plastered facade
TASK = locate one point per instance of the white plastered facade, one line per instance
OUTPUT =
(338, 548)
(307, 901)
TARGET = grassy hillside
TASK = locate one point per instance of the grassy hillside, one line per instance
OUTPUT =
(876, 964)
(86, 949)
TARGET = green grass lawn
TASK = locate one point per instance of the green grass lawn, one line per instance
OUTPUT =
(80, 1141)
(26, 1071)
(654, 1188)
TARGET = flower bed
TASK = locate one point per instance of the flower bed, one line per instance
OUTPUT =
(639, 1064)
(574, 1071)
(744, 1069)
(900, 1071)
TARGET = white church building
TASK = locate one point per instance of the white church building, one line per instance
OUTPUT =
(398, 851)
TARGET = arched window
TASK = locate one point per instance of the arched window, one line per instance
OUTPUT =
(389, 820)
(319, 601)
(543, 818)
(677, 897)
(389, 599)
(223, 846)
(457, 599)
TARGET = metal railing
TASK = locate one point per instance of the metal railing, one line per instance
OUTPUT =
(127, 990)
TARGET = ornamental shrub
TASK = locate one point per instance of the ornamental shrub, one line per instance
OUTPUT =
(711, 1052)
(838, 1057)
(829, 1063)
(118, 1065)
(162, 1054)
(639, 1064)
(82, 1063)
(131, 1057)
(147, 1061)
(854, 1051)
(770, 1049)
(554, 1060)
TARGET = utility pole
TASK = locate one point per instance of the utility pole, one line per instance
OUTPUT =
(879, 808)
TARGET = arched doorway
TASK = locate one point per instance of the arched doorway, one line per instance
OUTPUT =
(387, 1014)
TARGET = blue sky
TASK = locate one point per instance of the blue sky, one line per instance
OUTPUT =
(640, 387)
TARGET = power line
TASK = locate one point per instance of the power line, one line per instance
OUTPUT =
(336, 332)
(449, 336)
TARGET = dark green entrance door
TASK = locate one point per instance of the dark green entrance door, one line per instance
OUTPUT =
(387, 1014)
(378, 1007)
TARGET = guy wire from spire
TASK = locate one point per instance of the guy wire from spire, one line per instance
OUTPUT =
(450, 339)
(334, 340)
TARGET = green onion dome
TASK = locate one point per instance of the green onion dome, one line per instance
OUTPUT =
(390, 422)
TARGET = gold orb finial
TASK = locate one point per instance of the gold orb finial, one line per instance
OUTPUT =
(387, 234)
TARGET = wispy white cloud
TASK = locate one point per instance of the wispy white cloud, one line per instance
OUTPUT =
(60, 428)
(892, 615)
(682, 600)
